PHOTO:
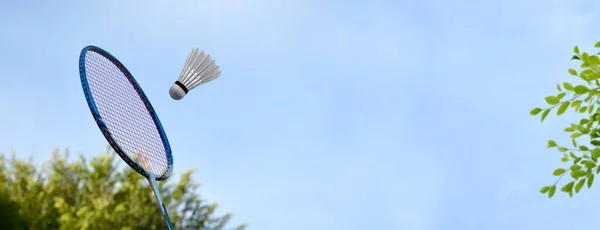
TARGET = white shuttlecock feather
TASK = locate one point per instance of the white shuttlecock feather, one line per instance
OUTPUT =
(199, 69)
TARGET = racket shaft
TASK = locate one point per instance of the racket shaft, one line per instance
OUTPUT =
(154, 187)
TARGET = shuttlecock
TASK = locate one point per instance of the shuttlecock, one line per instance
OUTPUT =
(199, 69)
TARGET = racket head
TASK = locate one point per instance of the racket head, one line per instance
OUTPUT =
(129, 123)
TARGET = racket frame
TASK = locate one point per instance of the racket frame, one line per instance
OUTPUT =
(152, 178)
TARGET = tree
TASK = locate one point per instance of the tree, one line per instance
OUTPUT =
(95, 195)
(583, 97)
(9, 212)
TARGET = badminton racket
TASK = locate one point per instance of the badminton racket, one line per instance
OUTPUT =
(126, 118)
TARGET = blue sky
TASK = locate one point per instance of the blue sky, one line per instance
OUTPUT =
(333, 115)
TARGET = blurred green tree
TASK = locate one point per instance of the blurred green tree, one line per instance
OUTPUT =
(96, 195)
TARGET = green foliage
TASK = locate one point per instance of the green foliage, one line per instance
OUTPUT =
(573, 72)
(581, 89)
(545, 114)
(535, 111)
(96, 195)
(559, 172)
(9, 210)
(563, 108)
(568, 86)
(552, 100)
(551, 143)
(581, 97)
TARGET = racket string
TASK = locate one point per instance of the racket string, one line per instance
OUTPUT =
(125, 114)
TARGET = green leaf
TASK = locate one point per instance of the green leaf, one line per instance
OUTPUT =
(552, 100)
(573, 72)
(568, 86)
(575, 57)
(575, 167)
(583, 147)
(585, 57)
(575, 135)
(568, 129)
(574, 143)
(588, 164)
(560, 95)
(591, 109)
(595, 142)
(577, 174)
(563, 107)
(582, 109)
(564, 159)
(558, 88)
(562, 149)
(567, 187)
(597, 45)
(535, 111)
(581, 89)
(594, 76)
(545, 114)
(545, 189)
(575, 104)
(559, 172)
(587, 71)
(596, 153)
(583, 121)
(576, 50)
(590, 180)
(593, 62)
(574, 157)
(552, 191)
(579, 185)
(551, 143)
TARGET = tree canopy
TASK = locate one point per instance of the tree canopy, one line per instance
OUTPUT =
(96, 194)
(581, 96)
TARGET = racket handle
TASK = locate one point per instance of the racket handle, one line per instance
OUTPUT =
(166, 216)
(163, 209)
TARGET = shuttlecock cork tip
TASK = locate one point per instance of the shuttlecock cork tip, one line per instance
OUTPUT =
(177, 91)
